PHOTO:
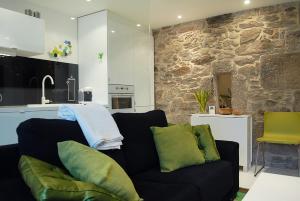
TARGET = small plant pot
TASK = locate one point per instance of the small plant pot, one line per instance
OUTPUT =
(225, 111)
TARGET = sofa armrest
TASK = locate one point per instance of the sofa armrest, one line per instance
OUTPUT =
(9, 156)
(229, 151)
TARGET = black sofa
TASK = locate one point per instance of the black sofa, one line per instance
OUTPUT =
(215, 181)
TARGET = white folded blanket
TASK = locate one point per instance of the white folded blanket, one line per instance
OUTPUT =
(97, 124)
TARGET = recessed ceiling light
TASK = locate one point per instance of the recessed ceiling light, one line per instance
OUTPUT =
(113, 31)
(138, 25)
(247, 2)
(179, 17)
(88, 0)
(72, 18)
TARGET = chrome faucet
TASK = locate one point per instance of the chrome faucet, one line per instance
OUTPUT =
(44, 100)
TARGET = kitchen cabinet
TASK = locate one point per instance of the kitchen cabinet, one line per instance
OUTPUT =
(143, 71)
(43, 114)
(121, 42)
(92, 41)
(21, 34)
(128, 57)
(11, 117)
(8, 124)
(142, 109)
(230, 128)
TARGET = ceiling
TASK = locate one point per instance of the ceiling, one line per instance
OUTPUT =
(157, 13)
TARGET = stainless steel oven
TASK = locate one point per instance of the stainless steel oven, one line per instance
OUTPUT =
(121, 98)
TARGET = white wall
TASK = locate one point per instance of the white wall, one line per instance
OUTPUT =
(59, 28)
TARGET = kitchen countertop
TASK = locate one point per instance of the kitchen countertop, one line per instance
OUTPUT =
(28, 108)
(31, 108)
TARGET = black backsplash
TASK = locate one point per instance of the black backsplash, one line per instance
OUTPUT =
(21, 80)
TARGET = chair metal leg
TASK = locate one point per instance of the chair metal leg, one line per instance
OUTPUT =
(263, 158)
(256, 159)
(263, 154)
(299, 160)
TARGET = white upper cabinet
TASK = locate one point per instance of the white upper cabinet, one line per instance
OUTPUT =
(20, 33)
(142, 69)
(130, 53)
(92, 41)
(127, 58)
(120, 50)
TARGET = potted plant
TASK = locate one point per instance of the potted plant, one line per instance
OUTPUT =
(225, 104)
(202, 97)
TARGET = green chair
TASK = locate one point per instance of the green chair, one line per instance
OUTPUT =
(279, 128)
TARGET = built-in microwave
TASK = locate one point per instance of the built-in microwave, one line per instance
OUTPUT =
(121, 98)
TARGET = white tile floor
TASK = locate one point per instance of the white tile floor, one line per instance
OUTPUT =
(247, 178)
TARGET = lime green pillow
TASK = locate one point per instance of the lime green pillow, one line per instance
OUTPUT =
(48, 182)
(90, 165)
(206, 142)
(176, 147)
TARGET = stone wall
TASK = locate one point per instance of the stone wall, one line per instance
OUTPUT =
(261, 47)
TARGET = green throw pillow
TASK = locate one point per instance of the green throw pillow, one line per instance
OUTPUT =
(90, 165)
(48, 182)
(177, 147)
(206, 142)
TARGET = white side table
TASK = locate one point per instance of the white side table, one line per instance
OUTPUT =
(231, 128)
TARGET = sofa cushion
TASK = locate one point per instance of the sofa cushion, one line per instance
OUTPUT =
(138, 144)
(206, 142)
(39, 137)
(153, 191)
(89, 165)
(48, 182)
(177, 147)
(213, 180)
(117, 155)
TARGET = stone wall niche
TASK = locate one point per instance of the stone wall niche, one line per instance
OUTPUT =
(224, 88)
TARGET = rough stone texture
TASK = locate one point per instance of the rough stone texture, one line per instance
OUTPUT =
(250, 35)
(251, 24)
(280, 71)
(261, 47)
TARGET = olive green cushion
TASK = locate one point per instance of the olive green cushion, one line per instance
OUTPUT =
(206, 142)
(90, 165)
(176, 147)
(48, 182)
